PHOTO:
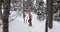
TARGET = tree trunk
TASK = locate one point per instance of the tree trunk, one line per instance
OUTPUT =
(6, 6)
(50, 12)
(24, 10)
(46, 25)
(0, 10)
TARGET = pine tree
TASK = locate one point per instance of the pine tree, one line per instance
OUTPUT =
(50, 12)
(6, 9)
(0, 9)
(49, 19)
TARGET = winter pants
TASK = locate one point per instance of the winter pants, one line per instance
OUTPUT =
(30, 23)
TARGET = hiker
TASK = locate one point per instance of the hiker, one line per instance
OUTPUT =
(30, 19)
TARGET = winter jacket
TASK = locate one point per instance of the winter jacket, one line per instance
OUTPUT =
(30, 16)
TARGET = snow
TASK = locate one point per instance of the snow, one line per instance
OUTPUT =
(0, 28)
(18, 25)
(56, 27)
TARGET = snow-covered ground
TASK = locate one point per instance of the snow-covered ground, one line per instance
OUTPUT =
(18, 25)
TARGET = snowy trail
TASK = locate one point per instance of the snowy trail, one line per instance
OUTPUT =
(19, 26)
(38, 26)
